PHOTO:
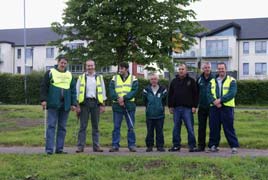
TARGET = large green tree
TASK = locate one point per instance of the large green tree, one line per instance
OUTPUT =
(127, 30)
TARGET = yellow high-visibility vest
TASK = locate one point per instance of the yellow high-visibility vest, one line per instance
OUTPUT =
(61, 79)
(82, 88)
(122, 88)
(225, 90)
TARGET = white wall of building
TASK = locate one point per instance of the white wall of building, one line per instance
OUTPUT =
(251, 58)
(7, 58)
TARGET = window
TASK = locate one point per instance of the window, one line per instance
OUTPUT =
(76, 68)
(49, 67)
(190, 66)
(214, 65)
(260, 68)
(75, 45)
(105, 69)
(260, 47)
(29, 53)
(18, 69)
(140, 69)
(245, 68)
(216, 48)
(245, 47)
(49, 53)
(18, 53)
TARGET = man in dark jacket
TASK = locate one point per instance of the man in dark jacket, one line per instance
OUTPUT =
(182, 102)
(203, 104)
(58, 96)
(154, 97)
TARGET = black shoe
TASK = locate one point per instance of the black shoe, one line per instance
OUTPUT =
(132, 149)
(161, 149)
(49, 153)
(114, 149)
(97, 149)
(61, 152)
(149, 149)
(79, 150)
(194, 149)
(200, 149)
(174, 149)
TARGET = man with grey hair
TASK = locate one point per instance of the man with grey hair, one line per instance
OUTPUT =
(203, 104)
(154, 97)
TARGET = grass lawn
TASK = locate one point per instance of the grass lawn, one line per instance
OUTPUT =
(130, 167)
(23, 125)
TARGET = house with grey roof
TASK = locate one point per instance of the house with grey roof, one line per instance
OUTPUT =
(240, 43)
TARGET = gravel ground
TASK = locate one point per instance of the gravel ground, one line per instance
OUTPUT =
(224, 152)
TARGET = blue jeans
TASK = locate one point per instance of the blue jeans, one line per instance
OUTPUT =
(183, 114)
(59, 118)
(117, 118)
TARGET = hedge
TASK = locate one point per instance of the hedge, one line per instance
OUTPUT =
(12, 89)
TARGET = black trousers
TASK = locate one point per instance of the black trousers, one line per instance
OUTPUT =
(157, 125)
(203, 115)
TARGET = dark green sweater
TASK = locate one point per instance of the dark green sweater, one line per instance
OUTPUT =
(53, 95)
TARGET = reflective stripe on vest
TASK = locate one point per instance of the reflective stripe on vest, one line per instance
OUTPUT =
(225, 90)
(61, 79)
(82, 88)
(122, 88)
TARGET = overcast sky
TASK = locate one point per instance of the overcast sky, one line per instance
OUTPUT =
(40, 13)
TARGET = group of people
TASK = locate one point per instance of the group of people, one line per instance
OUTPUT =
(213, 96)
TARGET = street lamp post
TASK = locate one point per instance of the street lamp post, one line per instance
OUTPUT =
(24, 43)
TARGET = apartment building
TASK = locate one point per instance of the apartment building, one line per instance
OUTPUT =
(240, 43)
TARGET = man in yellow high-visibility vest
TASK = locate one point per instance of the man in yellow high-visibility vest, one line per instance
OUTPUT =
(58, 96)
(91, 95)
(123, 88)
(221, 94)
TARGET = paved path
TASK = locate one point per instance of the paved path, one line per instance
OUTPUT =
(224, 152)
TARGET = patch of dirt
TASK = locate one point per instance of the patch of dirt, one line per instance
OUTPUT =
(154, 164)
(20, 123)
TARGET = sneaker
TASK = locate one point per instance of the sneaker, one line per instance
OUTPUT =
(114, 149)
(49, 153)
(132, 149)
(174, 149)
(61, 152)
(97, 149)
(149, 149)
(79, 150)
(234, 150)
(194, 149)
(161, 149)
(214, 149)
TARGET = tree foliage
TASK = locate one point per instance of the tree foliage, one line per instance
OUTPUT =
(127, 30)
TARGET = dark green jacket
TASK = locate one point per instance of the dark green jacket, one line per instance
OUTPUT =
(131, 106)
(53, 95)
(202, 87)
(230, 95)
(155, 103)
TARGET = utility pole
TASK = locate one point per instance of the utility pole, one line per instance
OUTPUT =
(24, 42)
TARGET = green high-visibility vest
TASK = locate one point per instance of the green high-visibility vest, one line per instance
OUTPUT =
(61, 79)
(225, 90)
(82, 88)
(121, 87)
